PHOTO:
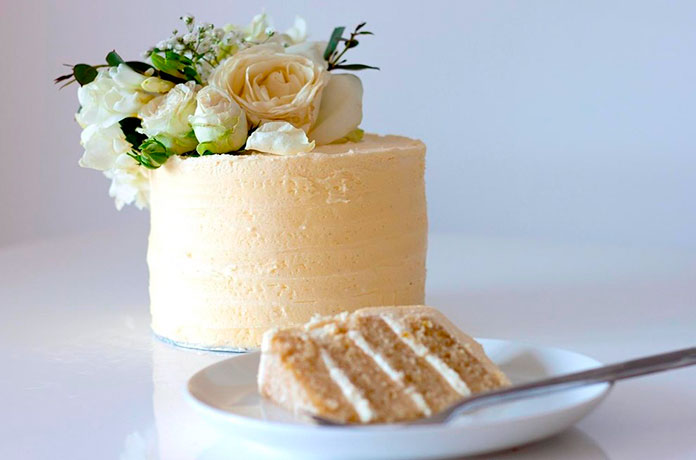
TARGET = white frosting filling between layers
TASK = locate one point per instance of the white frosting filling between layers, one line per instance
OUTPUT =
(350, 391)
(393, 374)
(449, 374)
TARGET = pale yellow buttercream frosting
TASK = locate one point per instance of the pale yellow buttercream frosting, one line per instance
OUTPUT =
(239, 244)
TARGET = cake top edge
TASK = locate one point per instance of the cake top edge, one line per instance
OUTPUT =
(371, 144)
(318, 321)
(372, 141)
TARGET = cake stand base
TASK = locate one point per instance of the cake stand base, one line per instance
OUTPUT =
(196, 346)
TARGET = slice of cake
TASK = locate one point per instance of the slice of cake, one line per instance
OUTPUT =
(376, 365)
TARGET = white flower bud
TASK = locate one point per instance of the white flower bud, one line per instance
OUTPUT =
(156, 85)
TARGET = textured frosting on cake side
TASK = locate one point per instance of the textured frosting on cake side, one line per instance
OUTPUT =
(239, 244)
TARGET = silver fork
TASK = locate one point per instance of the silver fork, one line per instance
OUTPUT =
(610, 373)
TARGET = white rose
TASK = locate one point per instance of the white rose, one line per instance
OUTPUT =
(166, 118)
(219, 123)
(341, 109)
(130, 183)
(272, 85)
(102, 146)
(104, 101)
(279, 138)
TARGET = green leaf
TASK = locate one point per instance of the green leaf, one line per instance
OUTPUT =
(129, 127)
(175, 65)
(84, 73)
(138, 66)
(364, 32)
(113, 59)
(162, 64)
(354, 67)
(176, 57)
(141, 161)
(191, 74)
(169, 77)
(333, 42)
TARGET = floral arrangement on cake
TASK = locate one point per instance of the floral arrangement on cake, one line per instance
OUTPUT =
(208, 90)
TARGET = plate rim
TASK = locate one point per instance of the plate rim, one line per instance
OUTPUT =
(602, 389)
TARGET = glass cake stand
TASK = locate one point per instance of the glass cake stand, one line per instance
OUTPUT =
(196, 346)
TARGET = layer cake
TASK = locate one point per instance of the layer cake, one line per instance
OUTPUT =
(242, 243)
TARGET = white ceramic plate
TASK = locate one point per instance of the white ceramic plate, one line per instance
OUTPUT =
(226, 394)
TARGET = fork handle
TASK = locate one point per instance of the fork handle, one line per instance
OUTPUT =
(610, 373)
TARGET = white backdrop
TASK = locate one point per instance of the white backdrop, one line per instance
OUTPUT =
(545, 119)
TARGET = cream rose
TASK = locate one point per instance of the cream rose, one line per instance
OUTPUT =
(273, 85)
(166, 118)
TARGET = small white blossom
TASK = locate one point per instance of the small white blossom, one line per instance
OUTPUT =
(108, 100)
(130, 183)
(279, 138)
(298, 32)
(203, 43)
(261, 28)
(102, 146)
(126, 77)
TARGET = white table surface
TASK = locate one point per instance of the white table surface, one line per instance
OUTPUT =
(82, 378)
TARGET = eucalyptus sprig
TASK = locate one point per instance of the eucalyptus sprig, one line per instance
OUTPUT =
(335, 57)
(86, 73)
